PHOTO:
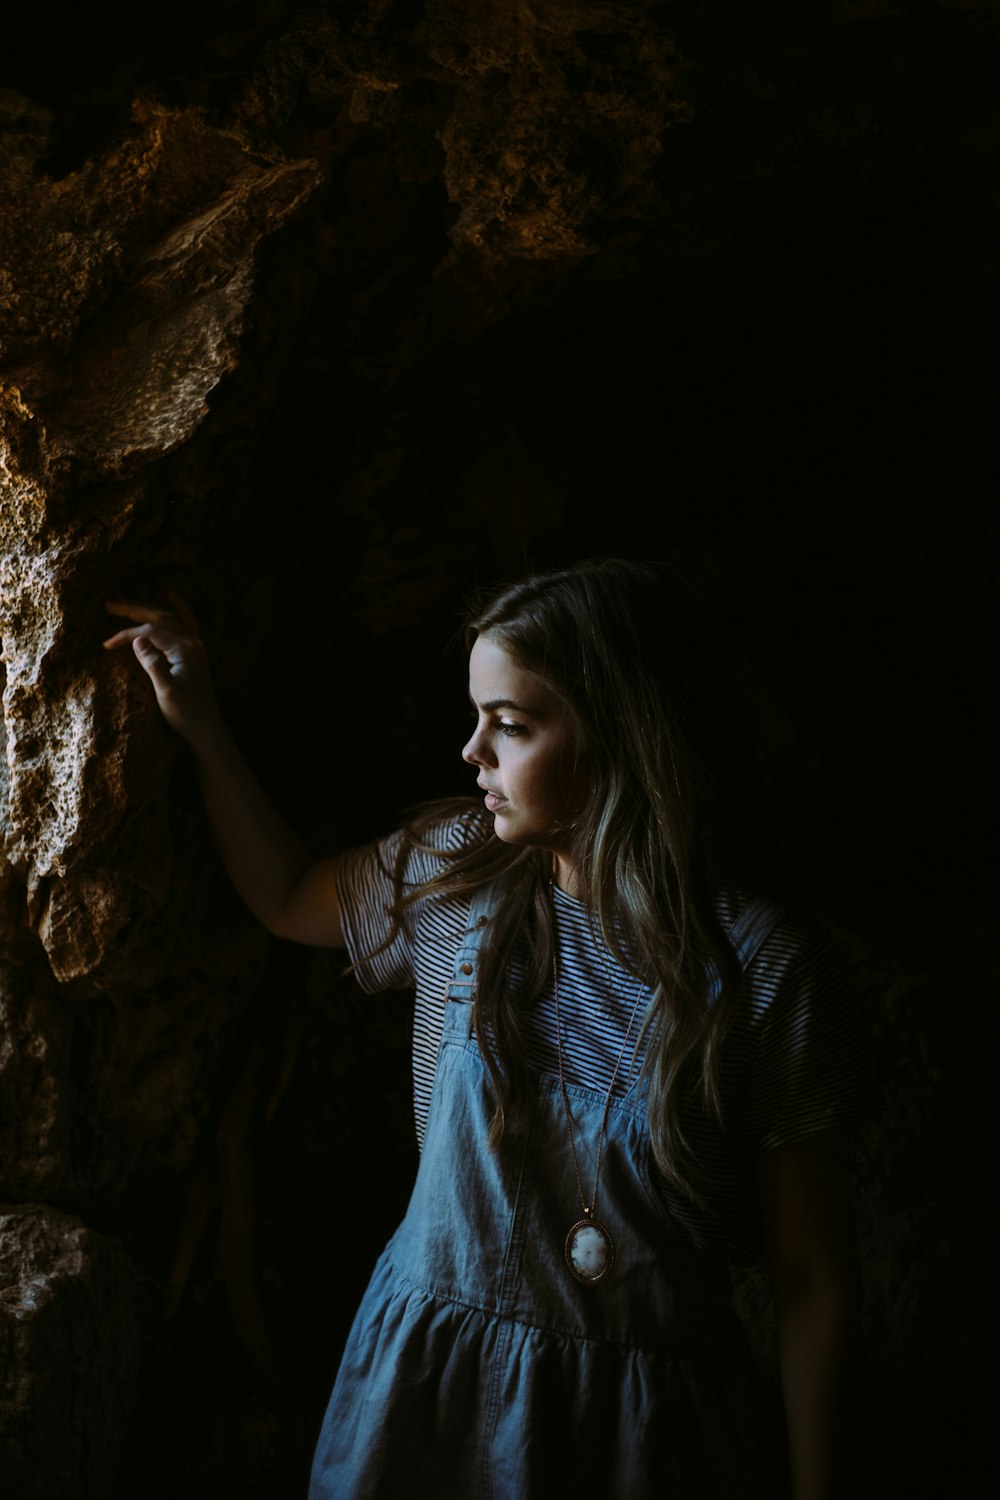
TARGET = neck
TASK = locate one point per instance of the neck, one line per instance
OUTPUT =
(564, 875)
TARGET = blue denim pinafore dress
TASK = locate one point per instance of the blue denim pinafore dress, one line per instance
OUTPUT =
(479, 1368)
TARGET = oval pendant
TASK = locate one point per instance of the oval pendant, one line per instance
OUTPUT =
(590, 1251)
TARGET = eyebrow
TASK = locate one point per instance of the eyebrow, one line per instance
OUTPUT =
(494, 703)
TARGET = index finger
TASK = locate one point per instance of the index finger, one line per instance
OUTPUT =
(133, 609)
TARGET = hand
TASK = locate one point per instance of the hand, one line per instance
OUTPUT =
(169, 647)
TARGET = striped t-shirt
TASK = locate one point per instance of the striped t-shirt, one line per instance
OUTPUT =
(794, 1061)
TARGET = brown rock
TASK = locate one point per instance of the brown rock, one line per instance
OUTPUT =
(135, 387)
(35, 1113)
(68, 1355)
(126, 313)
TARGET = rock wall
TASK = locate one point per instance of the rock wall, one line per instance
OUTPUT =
(323, 316)
(69, 1349)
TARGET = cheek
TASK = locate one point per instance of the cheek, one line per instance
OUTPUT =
(576, 782)
(556, 789)
(570, 774)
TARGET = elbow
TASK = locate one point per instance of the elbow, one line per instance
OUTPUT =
(279, 924)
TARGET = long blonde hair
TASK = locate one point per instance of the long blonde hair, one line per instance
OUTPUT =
(657, 726)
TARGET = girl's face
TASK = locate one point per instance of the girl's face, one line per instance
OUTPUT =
(523, 745)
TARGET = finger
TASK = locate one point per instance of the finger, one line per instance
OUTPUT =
(132, 633)
(167, 641)
(133, 609)
(153, 661)
(184, 613)
(173, 646)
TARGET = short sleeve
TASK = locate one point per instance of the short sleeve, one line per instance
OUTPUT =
(812, 1066)
(366, 890)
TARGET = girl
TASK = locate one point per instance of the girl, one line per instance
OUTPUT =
(628, 1069)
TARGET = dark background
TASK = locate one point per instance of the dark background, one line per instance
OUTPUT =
(773, 362)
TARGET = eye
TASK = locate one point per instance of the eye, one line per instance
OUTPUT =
(510, 730)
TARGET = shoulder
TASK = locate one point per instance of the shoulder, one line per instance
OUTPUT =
(787, 933)
(451, 827)
(396, 903)
(797, 1027)
(796, 1056)
(793, 963)
(415, 854)
(436, 840)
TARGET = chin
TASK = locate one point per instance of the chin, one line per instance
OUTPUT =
(506, 830)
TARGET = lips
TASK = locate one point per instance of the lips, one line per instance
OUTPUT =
(494, 800)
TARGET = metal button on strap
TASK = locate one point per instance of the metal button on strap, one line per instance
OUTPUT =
(466, 968)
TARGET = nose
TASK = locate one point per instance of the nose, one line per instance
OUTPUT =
(476, 752)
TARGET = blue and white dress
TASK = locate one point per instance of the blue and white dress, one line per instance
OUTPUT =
(477, 1365)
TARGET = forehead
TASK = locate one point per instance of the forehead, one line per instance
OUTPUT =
(494, 674)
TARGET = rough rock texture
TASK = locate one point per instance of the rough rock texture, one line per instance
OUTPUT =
(163, 274)
(117, 344)
(69, 1354)
(322, 315)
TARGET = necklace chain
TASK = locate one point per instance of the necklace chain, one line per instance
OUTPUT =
(588, 1209)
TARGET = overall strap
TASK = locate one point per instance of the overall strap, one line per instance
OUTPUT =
(465, 970)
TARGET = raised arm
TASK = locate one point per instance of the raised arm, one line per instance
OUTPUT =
(812, 1263)
(292, 894)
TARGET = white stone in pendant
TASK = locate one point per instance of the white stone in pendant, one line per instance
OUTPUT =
(590, 1251)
